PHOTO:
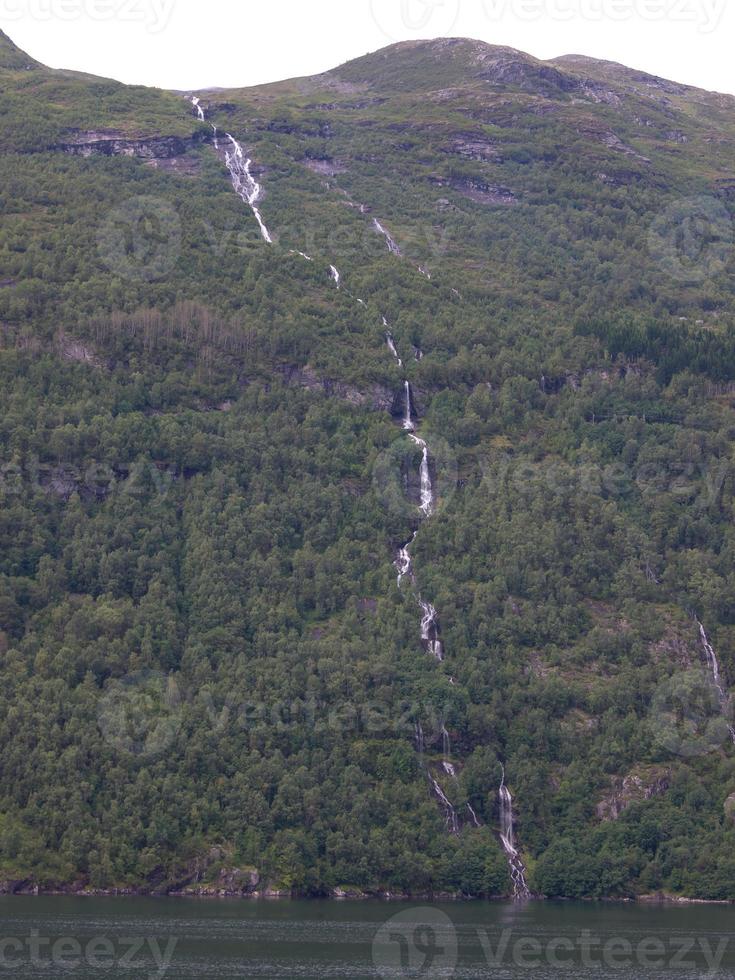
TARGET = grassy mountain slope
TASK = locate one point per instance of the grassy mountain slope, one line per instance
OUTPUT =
(206, 663)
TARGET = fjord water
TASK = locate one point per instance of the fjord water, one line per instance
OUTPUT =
(178, 938)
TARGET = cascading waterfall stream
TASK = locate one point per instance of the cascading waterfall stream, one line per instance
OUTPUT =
(246, 186)
(244, 183)
(517, 868)
(391, 344)
(714, 666)
(430, 630)
(249, 190)
(407, 411)
(195, 102)
(427, 491)
(404, 564)
(450, 813)
(390, 241)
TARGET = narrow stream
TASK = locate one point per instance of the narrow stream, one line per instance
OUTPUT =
(249, 190)
(714, 666)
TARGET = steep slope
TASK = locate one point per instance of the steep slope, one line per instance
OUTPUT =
(219, 441)
(12, 58)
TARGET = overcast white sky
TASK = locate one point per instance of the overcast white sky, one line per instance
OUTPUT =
(189, 44)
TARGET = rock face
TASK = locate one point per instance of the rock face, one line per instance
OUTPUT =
(633, 788)
(326, 167)
(112, 143)
(473, 147)
(377, 397)
(230, 883)
(730, 808)
(478, 190)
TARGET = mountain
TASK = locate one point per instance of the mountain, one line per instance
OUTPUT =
(11, 56)
(367, 481)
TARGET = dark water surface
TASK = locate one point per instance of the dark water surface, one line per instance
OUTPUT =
(135, 938)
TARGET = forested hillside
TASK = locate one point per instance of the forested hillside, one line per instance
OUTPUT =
(210, 677)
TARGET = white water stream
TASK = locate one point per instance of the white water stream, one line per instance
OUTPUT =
(244, 183)
(249, 190)
(507, 839)
(391, 344)
(195, 102)
(246, 186)
(390, 241)
(714, 666)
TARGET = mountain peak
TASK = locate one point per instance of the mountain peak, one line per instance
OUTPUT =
(12, 57)
(424, 65)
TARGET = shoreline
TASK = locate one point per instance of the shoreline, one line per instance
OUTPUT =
(26, 889)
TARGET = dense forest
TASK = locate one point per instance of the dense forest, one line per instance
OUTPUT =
(207, 671)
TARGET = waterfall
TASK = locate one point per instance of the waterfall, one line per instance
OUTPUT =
(515, 863)
(334, 272)
(390, 241)
(424, 271)
(244, 183)
(403, 562)
(430, 630)
(391, 344)
(429, 619)
(451, 771)
(473, 816)
(445, 742)
(419, 738)
(295, 251)
(450, 814)
(714, 666)
(427, 490)
(407, 413)
(246, 186)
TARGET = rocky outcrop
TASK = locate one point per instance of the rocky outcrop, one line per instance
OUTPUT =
(472, 147)
(14, 886)
(478, 190)
(111, 143)
(633, 788)
(229, 883)
(618, 178)
(611, 140)
(376, 397)
(72, 349)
